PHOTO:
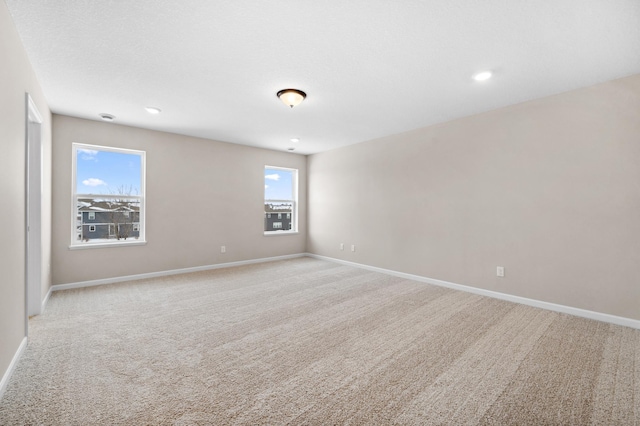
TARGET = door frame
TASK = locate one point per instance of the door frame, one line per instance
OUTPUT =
(33, 207)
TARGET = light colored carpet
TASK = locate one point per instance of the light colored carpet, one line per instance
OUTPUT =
(309, 342)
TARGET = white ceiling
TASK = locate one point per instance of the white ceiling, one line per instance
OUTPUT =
(370, 67)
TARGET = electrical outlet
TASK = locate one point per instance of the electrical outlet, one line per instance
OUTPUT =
(223, 249)
(341, 246)
(353, 247)
(500, 271)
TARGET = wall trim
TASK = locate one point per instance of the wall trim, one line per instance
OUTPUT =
(45, 300)
(113, 280)
(598, 316)
(12, 366)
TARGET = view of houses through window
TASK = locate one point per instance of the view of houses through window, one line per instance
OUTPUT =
(108, 198)
(280, 199)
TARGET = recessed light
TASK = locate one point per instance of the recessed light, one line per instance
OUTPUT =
(482, 76)
(295, 140)
(153, 110)
(107, 117)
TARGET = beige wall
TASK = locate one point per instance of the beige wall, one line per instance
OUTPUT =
(17, 78)
(549, 189)
(201, 194)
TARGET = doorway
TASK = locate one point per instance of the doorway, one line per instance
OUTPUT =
(33, 232)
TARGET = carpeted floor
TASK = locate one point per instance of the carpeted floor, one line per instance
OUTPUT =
(309, 342)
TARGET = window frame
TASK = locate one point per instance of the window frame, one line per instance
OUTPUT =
(294, 202)
(141, 198)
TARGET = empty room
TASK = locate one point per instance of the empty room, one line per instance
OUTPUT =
(320, 213)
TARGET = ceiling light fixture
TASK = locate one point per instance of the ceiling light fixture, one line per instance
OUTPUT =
(295, 140)
(107, 117)
(482, 76)
(291, 97)
(153, 110)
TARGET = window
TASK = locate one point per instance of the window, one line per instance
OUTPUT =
(280, 197)
(109, 184)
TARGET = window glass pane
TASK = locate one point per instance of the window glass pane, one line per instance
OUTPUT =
(111, 219)
(105, 172)
(278, 184)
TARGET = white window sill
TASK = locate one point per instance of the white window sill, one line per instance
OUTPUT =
(276, 233)
(105, 245)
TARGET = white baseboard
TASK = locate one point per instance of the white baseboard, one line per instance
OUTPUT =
(598, 316)
(171, 272)
(12, 366)
(627, 322)
(46, 299)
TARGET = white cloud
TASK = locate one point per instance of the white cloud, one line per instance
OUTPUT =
(266, 186)
(93, 182)
(274, 176)
(88, 154)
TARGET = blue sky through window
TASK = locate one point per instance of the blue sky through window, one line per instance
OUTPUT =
(278, 184)
(106, 172)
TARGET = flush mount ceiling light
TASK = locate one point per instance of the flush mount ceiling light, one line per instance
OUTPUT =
(295, 140)
(482, 76)
(291, 97)
(153, 110)
(107, 117)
